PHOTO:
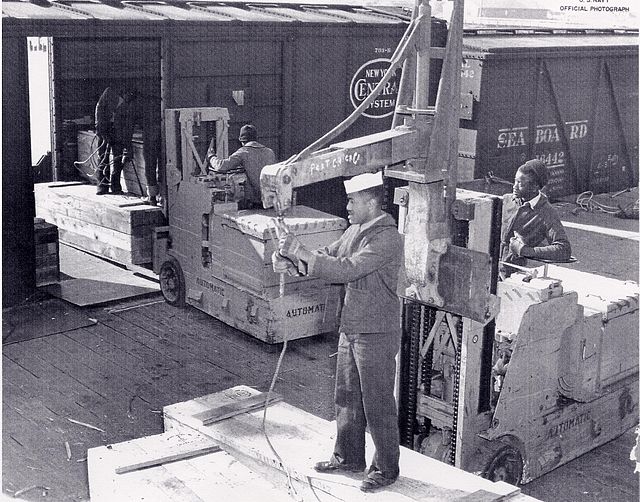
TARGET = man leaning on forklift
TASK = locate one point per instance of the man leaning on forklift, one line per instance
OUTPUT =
(250, 157)
(528, 219)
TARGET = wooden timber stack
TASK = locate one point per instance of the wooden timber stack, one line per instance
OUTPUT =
(231, 460)
(47, 252)
(117, 227)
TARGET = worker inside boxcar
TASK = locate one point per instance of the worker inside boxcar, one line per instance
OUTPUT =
(114, 129)
(151, 137)
(531, 227)
(251, 157)
(366, 258)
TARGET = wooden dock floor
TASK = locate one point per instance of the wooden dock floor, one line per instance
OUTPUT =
(142, 355)
(118, 374)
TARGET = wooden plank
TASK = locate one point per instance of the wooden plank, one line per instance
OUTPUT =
(167, 458)
(119, 255)
(49, 392)
(139, 241)
(245, 405)
(113, 211)
(301, 439)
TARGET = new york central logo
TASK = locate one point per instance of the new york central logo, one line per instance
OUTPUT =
(365, 80)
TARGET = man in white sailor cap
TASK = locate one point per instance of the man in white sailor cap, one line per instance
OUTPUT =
(366, 259)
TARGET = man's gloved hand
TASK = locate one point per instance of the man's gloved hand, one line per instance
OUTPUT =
(214, 163)
(517, 245)
(289, 246)
(283, 265)
(125, 157)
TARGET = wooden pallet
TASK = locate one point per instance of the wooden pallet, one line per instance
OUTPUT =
(117, 227)
(47, 252)
(155, 464)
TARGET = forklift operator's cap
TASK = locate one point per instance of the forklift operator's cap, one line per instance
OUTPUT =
(248, 133)
(537, 170)
(362, 182)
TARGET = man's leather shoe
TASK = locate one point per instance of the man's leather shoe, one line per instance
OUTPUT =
(331, 466)
(102, 189)
(375, 480)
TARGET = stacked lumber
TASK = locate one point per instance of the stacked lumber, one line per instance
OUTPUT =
(117, 227)
(47, 252)
(275, 469)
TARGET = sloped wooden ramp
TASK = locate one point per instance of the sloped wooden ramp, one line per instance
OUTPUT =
(183, 464)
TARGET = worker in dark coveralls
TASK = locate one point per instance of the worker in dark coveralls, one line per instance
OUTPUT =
(250, 157)
(114, 128)
(151, 135)
(366, 259)
(531, 227)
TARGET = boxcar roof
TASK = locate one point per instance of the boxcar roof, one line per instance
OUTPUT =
(518, 44)
(154, 11)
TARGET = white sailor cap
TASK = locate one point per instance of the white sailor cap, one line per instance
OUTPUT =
(362, 182)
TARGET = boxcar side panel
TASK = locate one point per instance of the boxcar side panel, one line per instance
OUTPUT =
(18, 207)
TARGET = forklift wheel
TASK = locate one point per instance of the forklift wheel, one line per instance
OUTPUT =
(506, 465)
(172, 282)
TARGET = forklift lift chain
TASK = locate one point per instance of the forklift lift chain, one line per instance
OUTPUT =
(456, 394)
(417, 377)
(410, 373)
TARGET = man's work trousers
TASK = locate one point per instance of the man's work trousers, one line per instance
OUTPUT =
(365, 379)
(108, 175)
(151, 157)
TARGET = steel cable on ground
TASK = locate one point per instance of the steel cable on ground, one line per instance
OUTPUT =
(587, 202)
(292, 491)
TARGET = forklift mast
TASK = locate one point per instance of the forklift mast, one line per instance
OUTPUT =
(482, 382)
(422, 150)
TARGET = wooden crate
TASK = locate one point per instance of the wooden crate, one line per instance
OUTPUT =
(172, 467)
(306, 309)
(238, 285)
(178, 465)
(604, 342)
(47, 252)
(117, 227)
(242, 243)
(301, 439)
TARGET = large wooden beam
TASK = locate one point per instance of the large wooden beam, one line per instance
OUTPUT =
(301, 439)
(348, 158)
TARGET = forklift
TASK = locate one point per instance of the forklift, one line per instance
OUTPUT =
(509, 378)
(217, 258)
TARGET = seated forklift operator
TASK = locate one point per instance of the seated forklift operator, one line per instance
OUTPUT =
(528, 220)
(250, 158)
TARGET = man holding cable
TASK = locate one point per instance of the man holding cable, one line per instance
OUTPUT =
(366, 259)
